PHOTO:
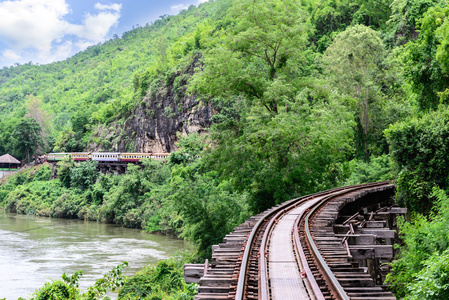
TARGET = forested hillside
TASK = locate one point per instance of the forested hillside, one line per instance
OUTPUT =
(306, 95)
(74, 99)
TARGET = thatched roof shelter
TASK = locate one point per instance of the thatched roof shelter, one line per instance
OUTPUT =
(8, 159)
(8, 162)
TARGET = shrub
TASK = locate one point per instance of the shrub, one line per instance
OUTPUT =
(158, 282)
(55, 290)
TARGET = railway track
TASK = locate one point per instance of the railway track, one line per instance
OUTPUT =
(292, 251)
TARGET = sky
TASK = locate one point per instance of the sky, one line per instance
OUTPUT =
(44, 31)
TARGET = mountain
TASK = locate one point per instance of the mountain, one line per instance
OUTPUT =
(98, 86)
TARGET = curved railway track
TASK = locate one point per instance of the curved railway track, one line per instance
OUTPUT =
(291, 252)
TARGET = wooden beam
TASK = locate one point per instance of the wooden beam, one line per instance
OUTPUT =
(376, 224)
(359, 239)
(193, 272)
(371, 251)
(379, 232)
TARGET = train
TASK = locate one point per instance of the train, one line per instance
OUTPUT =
(107, 156)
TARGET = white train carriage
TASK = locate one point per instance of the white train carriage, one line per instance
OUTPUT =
(105, 156)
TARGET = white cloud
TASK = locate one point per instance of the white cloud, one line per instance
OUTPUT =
(178, 7)
(116, 6)
(39, 27)
(10, 55)
(96, 27)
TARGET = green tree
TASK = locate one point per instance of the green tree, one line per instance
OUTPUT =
(69, 141)
(418, 147)
(330, 17)
(26, 138)
(403, 22)
(377, 169)
(269, 137)
(276, 158)
(425, 60)
(373, 13)
(209, 207)
(259, 56)
(64, 168)
(84, 175)
(432, 282)
(6, 128)
(353, 62)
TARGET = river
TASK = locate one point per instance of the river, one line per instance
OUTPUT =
(35, 250)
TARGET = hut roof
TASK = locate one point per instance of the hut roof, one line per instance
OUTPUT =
(8, 159)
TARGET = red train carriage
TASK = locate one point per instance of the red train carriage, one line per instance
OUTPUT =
(81, 156)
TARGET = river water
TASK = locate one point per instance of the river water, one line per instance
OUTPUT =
(35, 250)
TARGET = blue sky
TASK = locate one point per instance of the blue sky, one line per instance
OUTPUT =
(43, 31)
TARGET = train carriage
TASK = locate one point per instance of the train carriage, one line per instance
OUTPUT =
(106, 156)
(81, 156)
(57, 156)
(160, 156)
(134, 157)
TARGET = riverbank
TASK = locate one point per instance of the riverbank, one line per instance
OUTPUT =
(80, 192)
(36, 249)
(168, 198)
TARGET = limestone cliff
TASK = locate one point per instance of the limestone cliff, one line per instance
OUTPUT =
(154, 124)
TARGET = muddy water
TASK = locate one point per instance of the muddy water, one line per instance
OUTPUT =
(35, 250)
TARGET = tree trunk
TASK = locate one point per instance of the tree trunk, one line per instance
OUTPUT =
(365, 121)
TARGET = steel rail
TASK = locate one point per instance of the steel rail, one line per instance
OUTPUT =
(312, 284)
(264, 291)
(244, 266)
(336, 287)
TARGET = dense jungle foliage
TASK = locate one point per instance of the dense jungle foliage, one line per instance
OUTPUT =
(307, 94)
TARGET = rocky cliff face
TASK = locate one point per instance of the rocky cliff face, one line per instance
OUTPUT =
(164, 113)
